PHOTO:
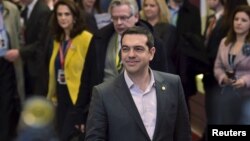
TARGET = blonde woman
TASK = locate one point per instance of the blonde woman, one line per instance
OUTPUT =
(157, 14)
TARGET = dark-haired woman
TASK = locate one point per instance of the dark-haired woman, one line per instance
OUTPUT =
(70, 46)
(232, 67)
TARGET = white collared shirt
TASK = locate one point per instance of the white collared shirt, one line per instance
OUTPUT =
(145, 102)
(219, 14)
(31, 7)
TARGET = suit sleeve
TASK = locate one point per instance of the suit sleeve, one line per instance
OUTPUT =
(182, 129)
(96, 128)
(36, 47)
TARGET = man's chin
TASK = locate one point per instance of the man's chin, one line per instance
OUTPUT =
(120, 31)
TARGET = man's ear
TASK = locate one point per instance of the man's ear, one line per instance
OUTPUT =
(137, 17)
(152, 52)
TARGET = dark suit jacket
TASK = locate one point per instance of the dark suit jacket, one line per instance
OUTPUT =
(188, 19)
(95, 60)
(36, 29)
(113, 114)
(217, 34)
(167, 33)
(188, 22)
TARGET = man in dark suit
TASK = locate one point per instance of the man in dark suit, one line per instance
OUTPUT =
(36, 16)
(103, 64)
(186, 18)
(140, 104)
(213, 35)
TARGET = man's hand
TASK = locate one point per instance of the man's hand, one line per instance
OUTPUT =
(12, 55)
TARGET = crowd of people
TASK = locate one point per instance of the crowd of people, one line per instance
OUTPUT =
(113, 65)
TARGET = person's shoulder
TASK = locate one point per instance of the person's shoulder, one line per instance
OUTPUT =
(223, 41)
(107, 86)
(42, 6)
(86, 33)
(10, 5)
(163, 76)
(108, 29)
(165, 27)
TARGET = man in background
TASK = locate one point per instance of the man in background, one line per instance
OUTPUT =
(35, 16)
(11, 73)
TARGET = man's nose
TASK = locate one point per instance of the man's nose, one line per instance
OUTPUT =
(131, 52)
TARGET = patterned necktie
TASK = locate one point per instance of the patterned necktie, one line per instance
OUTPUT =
(119, 65)
(118, 56)
(211, 25)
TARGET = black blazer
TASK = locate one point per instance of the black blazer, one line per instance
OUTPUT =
(34, 51)
(188, 22)
(36, 28)
(113, 115)
(217, 34)
(168, 35)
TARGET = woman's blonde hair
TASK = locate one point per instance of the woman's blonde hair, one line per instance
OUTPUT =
(164, 15)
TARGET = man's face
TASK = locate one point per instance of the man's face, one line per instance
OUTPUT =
(122, 18)
(212, 4)
(136, 55)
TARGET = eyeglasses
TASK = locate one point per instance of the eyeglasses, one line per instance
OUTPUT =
(121, 18)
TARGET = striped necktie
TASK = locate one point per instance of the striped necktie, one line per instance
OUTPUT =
(118, 55)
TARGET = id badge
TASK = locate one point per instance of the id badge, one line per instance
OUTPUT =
(3, 45)
(61, 77)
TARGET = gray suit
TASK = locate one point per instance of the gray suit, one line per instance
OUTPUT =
(12, 25)
(113, 115)
(11, 75)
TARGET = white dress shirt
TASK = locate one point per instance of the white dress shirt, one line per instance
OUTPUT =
(30, 8)
(145, 102)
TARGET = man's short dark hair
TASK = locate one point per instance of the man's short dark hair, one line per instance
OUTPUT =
(141, 31)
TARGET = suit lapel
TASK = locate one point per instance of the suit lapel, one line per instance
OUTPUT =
(225, 56)
(239, 58)
(33, 15)
(162, 94)
(126, 99)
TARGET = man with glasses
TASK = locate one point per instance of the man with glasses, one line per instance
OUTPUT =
(105, 56)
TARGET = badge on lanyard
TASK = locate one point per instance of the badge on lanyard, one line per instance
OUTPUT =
(2, 44)
(3, 37)
(61, 77)
(62, 54)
